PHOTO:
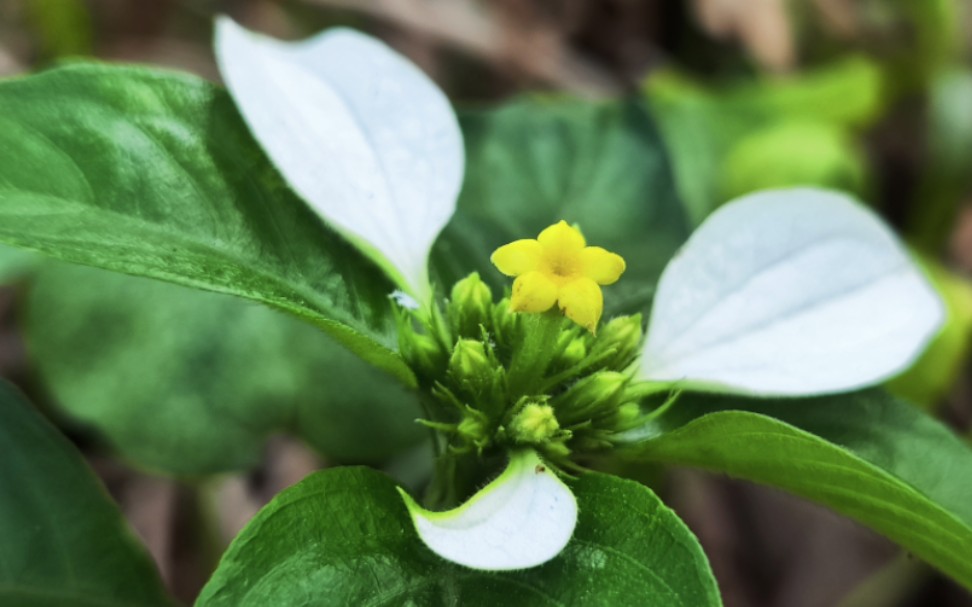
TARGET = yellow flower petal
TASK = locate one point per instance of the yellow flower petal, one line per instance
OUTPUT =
(518, 257)
(559, 267)
(561, 239)
(533, 292)
(582, 302)
(601, 266)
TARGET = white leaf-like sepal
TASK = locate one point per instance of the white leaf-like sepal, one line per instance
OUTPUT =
(361, 134)
(522, 519)
(789, 292)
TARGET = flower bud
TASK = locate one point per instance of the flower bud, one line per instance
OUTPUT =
(623, 335)
(627, 416)
(422, 352)
(504, 321)
(470, 306)
(470, 367)
(535, 424)
(575, 352)
(474, 430)
(592, 396)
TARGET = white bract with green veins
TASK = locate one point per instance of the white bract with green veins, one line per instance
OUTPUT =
(793, 292)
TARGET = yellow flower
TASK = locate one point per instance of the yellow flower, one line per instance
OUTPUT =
(559, 268)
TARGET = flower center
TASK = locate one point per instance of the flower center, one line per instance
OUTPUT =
(561, 265)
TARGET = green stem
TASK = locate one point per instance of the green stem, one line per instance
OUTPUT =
(536, 352)
(435, 436)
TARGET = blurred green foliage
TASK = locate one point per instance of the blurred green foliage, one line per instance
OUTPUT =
(189, 383)
(63, 27)
(733, 140)
(929, 381)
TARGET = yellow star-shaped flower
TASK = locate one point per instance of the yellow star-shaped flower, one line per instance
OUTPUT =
(559, 268)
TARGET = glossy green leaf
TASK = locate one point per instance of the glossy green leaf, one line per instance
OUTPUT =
(154, 173)
(866, 455)
(189, 382)
(536, 161)
(64, 541)
(343, 537)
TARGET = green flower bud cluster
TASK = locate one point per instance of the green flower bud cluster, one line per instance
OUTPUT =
(493, 380)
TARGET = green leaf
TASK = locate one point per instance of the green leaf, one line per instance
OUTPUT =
(536, 161)
(866, 455)
(190, 382)
(343, 537)
(154, 174)
(64, 541)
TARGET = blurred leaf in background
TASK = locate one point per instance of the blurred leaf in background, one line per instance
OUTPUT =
(187, 382)
(930, 379)
(64, 541)
(933, 38)
(730, 141)
(946, 182)
(63, 28)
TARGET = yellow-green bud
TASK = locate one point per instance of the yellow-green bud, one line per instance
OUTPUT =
(473, 430)
(504, 321)
(469, 365)
(623, 334)
(423, 353)
(591, 396)
(575, 352)
(469, 305)
(534, 424)
(626, 415)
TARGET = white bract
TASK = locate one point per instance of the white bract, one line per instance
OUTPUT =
(787, 292)
(790, 293)
(522, 519)
(361, 134)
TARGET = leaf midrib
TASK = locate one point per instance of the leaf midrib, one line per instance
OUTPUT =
(297, 294)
